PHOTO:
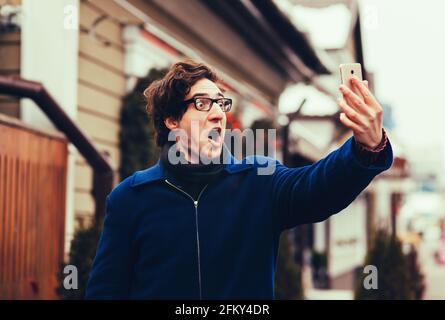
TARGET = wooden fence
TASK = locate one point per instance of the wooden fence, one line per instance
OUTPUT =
(32, 210)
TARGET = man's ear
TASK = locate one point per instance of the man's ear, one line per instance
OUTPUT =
(171, 124)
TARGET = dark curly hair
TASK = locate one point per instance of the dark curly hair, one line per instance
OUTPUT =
(164, 96)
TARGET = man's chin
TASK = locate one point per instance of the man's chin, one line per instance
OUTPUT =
(211, 151)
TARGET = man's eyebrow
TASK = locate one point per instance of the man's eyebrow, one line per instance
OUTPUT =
(199, 94)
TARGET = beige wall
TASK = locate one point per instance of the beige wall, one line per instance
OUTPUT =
(49, 54)
(101, 85)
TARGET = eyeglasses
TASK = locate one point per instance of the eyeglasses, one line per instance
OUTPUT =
(205, 104)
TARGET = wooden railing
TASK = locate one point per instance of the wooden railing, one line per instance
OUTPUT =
(102, 170)
(32, 193)
(32, 210)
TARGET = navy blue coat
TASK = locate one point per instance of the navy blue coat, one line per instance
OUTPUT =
(157, 243)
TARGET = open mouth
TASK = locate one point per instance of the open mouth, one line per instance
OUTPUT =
(214, 137)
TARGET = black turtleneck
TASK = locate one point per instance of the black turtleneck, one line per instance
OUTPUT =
(192, 178)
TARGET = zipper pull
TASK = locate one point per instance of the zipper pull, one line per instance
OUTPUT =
(196, 203)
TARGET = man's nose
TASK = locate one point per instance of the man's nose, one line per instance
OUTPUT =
(215, 113)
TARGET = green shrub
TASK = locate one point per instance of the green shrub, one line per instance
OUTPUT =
(137, 143)
(288, 282)
(399, 275)
(319, 264)
(82, 253)
(417, 278)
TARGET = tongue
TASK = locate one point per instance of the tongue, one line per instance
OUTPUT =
(214, 136)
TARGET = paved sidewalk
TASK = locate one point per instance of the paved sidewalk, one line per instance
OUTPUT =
(318, 294)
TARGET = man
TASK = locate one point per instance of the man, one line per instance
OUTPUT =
(200, 230)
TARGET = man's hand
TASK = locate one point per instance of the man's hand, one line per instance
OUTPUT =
(361, 113)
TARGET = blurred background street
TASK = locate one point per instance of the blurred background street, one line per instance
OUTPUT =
(435, 279)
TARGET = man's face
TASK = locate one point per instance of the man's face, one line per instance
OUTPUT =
(199, 125)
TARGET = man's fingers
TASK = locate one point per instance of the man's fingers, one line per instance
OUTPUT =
(352, 114)
(349, 123)
(353, 100)
(363, 88)
(366, 83)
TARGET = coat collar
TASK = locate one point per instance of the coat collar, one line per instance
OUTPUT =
(157, 172)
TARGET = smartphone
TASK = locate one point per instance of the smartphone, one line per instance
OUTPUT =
(346, 72)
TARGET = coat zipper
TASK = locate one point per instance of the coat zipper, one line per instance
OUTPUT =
(195, 203)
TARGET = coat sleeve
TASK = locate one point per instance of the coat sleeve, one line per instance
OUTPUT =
(312, 193)
(110, 273)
